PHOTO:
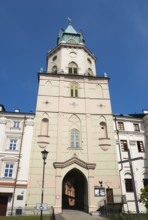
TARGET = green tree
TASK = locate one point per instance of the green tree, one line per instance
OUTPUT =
(144, 196)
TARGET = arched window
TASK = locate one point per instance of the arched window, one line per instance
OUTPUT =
(90, 72)
(74, 90)
(54, 58)
(44, 127)
(128, 182)
(75, 137)
(72, 68)
(103, 130)
(89, 60)
(54, 69)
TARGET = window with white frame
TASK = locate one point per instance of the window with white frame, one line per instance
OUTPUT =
(140, 146)
(121, 126)
(123, 144)
(12, 144)
(75, 136)
(8, 170)
(128, 185)
(16, 124)
(136, 127)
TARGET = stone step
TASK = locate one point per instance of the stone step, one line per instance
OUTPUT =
(78, 215)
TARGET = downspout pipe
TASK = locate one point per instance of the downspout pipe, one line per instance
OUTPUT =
(118, 138)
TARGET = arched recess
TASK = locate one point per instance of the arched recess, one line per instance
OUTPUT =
(77, 172)
(103, 130)
(44, 127)
(99, 90)
(43, 138)
(74, 131)
(104, 140)
(103, 133)
(75, 190)
(48, 87)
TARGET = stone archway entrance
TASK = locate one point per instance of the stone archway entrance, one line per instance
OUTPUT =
(75, 191)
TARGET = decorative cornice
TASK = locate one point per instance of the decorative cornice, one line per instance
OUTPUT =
(74, 160)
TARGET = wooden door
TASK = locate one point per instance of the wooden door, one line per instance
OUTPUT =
(3, 205)
(110, 198)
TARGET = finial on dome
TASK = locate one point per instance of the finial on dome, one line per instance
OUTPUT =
(69, 21)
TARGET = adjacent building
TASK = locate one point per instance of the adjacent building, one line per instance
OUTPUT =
(131, 133)
(16, 130)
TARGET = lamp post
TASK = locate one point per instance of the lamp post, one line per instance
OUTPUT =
(44, 157)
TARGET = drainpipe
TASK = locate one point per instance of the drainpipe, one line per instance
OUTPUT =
(118, 138)
(119, 143)
(17, 171)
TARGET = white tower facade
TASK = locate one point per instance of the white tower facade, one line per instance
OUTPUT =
(74, 123)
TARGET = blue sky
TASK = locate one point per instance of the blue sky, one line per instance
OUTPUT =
(116, 31)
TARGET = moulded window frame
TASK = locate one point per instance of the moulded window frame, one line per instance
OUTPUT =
(73, 68)
(15, 124)
(13, 144)
(74, 90)
(124, 145)
(128, 185)
(136, 127)
(140, 146)
(9, 168)
(120, 126)
(74, 141)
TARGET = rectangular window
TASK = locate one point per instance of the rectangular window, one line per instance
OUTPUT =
(136, 127)
(72, 92)
(145, 182)
(128, 185)
(12, 144)
(70, 70)
(75, 70)
(123, 144)
(121, 126)
(16, 124)
(8, 172)
(140, 146)
(76, 92)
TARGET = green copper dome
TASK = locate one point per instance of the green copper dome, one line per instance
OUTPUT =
(70, 35)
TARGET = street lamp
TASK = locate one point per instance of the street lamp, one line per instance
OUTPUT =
(44, 157)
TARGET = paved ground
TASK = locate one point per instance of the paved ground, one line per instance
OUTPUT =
(77, 215)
